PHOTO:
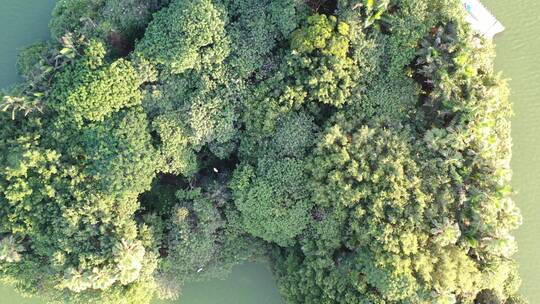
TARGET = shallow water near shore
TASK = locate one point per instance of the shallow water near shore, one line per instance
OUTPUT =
(518, 55)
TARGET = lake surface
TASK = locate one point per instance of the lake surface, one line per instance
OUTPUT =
(22, 22)
(518, 55)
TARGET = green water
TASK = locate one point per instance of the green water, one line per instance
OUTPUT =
(518, 55)
(22, 22)
(247, 284)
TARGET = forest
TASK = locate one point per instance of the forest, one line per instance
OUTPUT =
(361, 148)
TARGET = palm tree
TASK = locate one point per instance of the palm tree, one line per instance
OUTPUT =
(129, 259)
(10, 250)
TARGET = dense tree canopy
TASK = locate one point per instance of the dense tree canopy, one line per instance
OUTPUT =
(360, 147)
(272, 199)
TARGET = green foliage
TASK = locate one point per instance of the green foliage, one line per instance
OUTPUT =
(30, 57)
(193, 237)
(178, 157)
(199, 243)
(10, 250)
(366, 154)
(38, 64)
(69, 190)
(120, 20)
(90, 91)
(211, 121)
(69, 228)
(370, 173)
(186, 35)
(129, 17)
(191, 113)
(319, 63)
(77, 16)
(272, 203)
(23, 104)
(294, 136)
(389, 97)
(318, 35)
(118, 154)
(255, 28)
(374, 10)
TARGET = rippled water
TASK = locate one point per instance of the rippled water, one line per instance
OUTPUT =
(518, 49)
(518, 55)
(22, 22)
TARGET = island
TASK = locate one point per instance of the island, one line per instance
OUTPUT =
(360, 148)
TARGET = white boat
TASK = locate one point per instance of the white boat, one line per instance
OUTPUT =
(481, 19)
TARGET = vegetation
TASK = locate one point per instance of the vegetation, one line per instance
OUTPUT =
(360, 147)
